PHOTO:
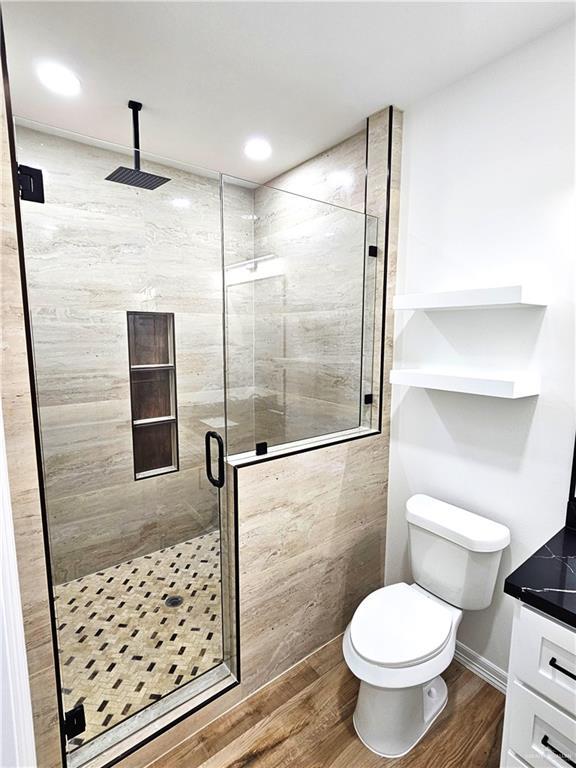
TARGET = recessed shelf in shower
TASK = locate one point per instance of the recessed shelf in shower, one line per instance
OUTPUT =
(153, 393)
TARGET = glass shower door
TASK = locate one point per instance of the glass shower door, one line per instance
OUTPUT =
(301, 293)
(125, 293)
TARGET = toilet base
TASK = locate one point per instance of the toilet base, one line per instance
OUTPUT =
(391, 721)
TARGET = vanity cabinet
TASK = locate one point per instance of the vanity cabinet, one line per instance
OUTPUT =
(540, 717)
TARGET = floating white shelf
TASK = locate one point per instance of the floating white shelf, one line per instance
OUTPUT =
(474, 298)
(493, 384)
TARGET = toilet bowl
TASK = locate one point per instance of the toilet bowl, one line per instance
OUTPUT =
(399, 661)
(403, 636)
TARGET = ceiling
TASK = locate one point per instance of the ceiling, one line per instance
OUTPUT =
(212, 74)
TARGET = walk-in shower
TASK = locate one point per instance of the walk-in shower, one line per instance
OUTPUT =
(172, 330)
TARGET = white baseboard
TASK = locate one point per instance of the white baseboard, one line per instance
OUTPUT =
(481, 667)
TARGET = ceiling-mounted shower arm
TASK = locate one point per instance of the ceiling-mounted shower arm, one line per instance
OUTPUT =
(134, 177)
(136, 106)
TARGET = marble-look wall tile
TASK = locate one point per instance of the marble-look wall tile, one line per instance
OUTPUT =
(318, 551)
(336, 175)
(308, 321)
(284, 418)
(94, 251)
(298, 336)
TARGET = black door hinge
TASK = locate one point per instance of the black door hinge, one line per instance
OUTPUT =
(261, 449)
(373, 251)
(74, 722)
(31, 184)
(368, 399)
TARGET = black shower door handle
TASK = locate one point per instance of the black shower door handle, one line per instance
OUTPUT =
(218, 482)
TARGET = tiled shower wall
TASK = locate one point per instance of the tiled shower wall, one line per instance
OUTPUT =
(318, 323)
(94, 251)
(308, 320)
(296, 336)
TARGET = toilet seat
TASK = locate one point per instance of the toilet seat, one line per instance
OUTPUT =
(399, 626)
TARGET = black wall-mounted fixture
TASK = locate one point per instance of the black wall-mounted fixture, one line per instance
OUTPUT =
(373, 251)
(368, 399)
(134, 177)
(261, 449)
(31, 184)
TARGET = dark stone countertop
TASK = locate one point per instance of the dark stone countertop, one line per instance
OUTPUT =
(547, 580)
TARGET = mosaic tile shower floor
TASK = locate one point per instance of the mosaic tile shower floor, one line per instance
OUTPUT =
(122, 647)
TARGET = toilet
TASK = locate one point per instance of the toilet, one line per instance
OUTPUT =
(402, 637)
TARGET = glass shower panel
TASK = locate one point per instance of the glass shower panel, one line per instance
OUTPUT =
(300, 297)
(126, 303)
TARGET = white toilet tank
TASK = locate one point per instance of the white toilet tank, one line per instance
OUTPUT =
(455, 554)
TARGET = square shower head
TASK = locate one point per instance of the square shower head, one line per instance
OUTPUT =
(135, 178)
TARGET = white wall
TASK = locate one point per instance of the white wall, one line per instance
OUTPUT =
(487, 199)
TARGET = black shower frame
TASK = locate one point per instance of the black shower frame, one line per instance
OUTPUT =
(37, 432)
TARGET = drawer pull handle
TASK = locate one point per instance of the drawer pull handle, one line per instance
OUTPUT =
(546, 743)
(553, 663)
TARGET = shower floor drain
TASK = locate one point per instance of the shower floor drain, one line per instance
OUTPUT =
(173, 601)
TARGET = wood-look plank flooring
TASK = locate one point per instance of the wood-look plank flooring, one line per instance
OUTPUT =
(304, 720)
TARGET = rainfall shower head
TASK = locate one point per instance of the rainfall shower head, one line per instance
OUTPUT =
(134, 177)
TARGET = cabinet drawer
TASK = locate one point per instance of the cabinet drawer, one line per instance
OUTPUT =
(539, 733)
(544, 657)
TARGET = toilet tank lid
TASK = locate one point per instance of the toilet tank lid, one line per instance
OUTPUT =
(474, 532)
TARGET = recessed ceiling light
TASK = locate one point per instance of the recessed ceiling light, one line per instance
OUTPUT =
(257, 148)
(58, 79)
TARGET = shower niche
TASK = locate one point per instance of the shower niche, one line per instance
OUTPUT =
(153, 393)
